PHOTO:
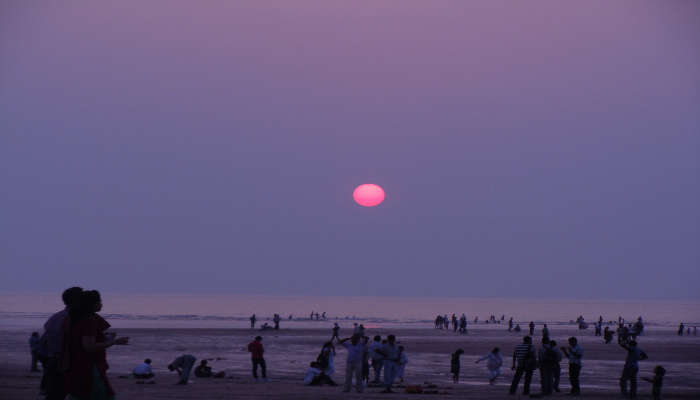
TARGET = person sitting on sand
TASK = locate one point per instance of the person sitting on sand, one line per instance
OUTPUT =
(493, 363)
(205, 371)
(455, 365)
(315, 376)
(326, 358)
(517, 328)
(143, 370)
(265, 327)
(183, 365)
(657, 382)
(403, 360)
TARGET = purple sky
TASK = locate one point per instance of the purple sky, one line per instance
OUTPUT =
(539, 149)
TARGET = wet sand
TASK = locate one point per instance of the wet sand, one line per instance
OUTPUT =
(288, 353)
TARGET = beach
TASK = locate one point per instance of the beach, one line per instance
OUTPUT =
(289, 351)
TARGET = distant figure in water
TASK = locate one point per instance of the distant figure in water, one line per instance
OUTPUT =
(680, 329)
(183, 365)
(524, 362)
(532, 328)
(455, 365)
(143, 370)
(276, 319)
(205, 371)
(510, 324)
(657, 382)
(493, 363)
(574, 353)
(336, 332)
(517, 328)
(403, 360)
(256, 350)
(252, 321)
(34, 345)
(631, 368)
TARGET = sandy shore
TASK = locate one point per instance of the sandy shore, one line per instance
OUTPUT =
(288, 353)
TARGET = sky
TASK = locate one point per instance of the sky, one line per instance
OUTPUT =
(527, 149)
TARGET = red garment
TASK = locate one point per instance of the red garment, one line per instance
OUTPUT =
(256, 350)
(79, 375)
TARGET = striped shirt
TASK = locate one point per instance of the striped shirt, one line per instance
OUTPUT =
(521, 351)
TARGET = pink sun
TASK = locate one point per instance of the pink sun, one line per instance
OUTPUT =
(368, 195)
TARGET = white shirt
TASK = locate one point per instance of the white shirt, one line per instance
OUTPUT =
(143, 369)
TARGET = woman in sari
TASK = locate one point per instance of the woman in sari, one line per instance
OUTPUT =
(86, 342)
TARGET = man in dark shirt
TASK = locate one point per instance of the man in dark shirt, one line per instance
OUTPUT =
(524, 362)
(631, 368)
(256, 355)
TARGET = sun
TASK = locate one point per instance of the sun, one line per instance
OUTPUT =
(368, 195)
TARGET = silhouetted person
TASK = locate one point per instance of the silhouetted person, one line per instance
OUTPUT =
(517, 328)
(54, 330)
(87, 342)
(556, 372)
(574, 353)
(336, 332)
(252, 321)
(680, 329)
(532, 328)
(608, 335)
(657, 382)
(455, 365)
(631, 368)
(524, 362)
(183, 366)
(256, 350)
(545, 332)
(547, 359)
(510, 324)
(34, 349)
(205, 371)
(276, 320)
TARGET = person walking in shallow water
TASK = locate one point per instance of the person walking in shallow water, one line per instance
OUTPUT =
(252, 321)
(493, 363)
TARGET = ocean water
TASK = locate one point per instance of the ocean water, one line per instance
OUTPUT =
(29, 310)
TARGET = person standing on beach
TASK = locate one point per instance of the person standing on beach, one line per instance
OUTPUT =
(86, 344)
(183, 365)
(574, 353)
(390, 353)
(336, 332)
(252, 321)
(657, 382)
(556, 372)
(376, 357)
(403, 360)
(510, 324)
(353, 367)
(532, 328)
(547, 360)
(365, 360)
(52, 339)
(454, 323)
(276, 319)
(545, 332)
(455, 365)
(256, 350)
(524, 362)
(34, 348)
(631, 368)
(680, 329)
(493, 363)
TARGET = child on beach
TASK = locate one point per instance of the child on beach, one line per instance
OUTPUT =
(143, 370)
(455, 365)
(493, 364)
(657, 382)
(402, 363)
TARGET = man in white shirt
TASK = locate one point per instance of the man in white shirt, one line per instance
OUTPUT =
(353, 366)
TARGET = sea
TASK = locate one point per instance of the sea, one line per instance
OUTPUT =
(28, 311)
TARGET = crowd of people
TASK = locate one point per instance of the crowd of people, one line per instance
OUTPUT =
(73, 355)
